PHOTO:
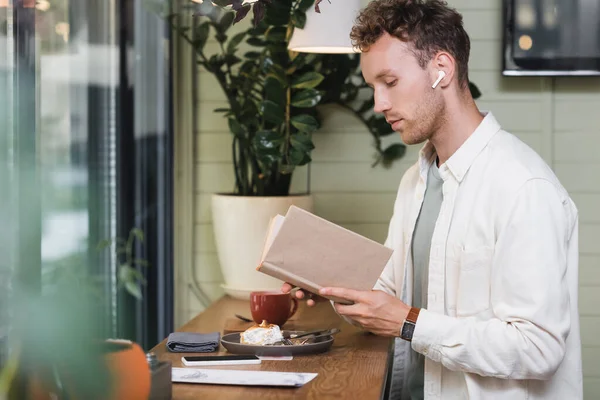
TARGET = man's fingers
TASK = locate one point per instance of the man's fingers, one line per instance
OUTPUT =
(299, 294)
(286, 288)
(348, 294)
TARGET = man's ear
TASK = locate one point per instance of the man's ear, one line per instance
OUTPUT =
(443, 69)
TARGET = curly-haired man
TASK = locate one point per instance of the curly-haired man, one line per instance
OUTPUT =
(482, 287)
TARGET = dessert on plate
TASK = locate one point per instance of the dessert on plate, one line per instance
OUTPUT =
(263, 334)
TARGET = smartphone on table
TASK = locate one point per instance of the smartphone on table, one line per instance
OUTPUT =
(197, 361)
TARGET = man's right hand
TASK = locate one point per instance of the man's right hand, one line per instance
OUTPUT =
(300, 294)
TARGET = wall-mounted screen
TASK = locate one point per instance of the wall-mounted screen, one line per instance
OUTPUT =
(551, 37)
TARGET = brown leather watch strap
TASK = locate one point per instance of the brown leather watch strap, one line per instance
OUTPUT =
(413, 314)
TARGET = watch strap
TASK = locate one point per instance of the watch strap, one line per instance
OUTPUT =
(413, 314)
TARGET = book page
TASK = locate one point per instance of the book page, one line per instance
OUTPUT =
(274, 227)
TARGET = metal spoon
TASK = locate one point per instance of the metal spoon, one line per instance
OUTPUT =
(243, 318)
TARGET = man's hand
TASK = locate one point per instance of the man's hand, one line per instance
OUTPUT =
(374, 310)
(286, 288)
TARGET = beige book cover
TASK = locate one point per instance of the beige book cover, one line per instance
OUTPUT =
(311, 252)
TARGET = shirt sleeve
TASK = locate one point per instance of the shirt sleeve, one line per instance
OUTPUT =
(529, 297)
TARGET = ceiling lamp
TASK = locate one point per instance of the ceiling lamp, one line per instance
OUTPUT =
(327, 32)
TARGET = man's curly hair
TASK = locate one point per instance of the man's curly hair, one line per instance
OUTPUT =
(429, 26)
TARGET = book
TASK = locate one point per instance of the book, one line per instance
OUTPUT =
(310, 252)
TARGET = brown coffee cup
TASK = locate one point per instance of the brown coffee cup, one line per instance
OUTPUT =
(273, 307)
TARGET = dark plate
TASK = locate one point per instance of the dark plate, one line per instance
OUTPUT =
(232, 343)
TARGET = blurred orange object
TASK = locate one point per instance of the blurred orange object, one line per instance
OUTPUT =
(130, 371)
(130, 376)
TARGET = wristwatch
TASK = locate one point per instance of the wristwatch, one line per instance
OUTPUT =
(408, 326)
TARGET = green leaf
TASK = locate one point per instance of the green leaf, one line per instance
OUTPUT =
(138, 276)
(220, 110)
(306, 98)
(274, 90)
(231, 59)
(216, 61)
(236, 128)
(278, 12)
(103, 244)
(125, 273)
(276, 34)
(234, 42)
(200, 35)
(298, 59)
(269, 140)
(392, 153)
(304, 5)
(259, 30)
(221, 37)
(272, 112)
(299, 19)
(138, 233)
(134, 289)
(222, 3)
(302, 142)
(475, 92)
(305, 123)
(252, 55)
(298, 157)
(257, 42)
(226, 21)
(307, 80)
(275, 71)
(379, 126)
(267, 145)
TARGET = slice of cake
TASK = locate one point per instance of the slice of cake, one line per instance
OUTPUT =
(263, 334)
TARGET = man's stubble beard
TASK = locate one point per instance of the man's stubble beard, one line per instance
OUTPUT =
(430, 115)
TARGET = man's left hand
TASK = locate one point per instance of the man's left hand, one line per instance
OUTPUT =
(374, 310)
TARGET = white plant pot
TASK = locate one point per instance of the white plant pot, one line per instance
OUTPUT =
(240, 225)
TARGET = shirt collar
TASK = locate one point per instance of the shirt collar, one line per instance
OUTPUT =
(460, 162)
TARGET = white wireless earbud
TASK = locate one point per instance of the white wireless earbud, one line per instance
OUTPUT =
(441, 76)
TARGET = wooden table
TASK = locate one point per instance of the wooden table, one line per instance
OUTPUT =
(356, 367)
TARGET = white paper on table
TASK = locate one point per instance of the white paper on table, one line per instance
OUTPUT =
(238, 377)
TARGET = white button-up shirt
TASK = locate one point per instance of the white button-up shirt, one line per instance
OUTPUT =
(502, 320)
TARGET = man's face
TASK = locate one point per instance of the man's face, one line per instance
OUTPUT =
(402, 90)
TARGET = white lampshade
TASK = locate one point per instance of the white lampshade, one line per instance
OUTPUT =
(327, 32)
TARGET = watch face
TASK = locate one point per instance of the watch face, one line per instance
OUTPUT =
(407, 330)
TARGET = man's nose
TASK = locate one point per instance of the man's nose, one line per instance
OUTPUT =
(382, 103)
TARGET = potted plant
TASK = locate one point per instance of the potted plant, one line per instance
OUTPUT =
(57, 341)
(273, 95)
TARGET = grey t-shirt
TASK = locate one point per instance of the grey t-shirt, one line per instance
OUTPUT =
(421, 246)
